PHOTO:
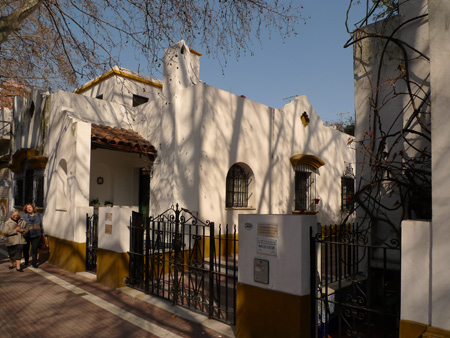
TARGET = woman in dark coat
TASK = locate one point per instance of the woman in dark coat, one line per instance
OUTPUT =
(15, 231)
(35, 231)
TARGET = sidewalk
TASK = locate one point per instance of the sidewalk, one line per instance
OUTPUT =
(51, 302)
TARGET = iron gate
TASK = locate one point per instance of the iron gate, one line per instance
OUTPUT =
(356, 292)
(180, 258)
(91, 242)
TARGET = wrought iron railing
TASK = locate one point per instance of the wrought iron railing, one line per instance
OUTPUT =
(189, 262)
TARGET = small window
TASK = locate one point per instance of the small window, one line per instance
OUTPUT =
(305, 188)
(39, 191)
(138, 100)
(237, 187)
(18, 192)
(29, 185)
(347, 193)
(100, 97)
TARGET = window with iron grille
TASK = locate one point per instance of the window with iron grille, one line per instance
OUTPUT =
(29, 189)
(237, 187)
(29, 186)
(18, 192)
(347, 192)
(305, 188)
(39, 191)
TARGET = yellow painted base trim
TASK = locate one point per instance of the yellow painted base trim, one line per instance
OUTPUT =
(266, 313)
(112, 268)
(67, 255)
(409, 329)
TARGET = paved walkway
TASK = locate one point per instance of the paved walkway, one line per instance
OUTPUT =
(50, 302)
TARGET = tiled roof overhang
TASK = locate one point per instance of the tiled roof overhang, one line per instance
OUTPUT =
(121, 139)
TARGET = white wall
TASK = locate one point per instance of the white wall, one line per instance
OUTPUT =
(119, 89)
(416, 272)
(205, 130)
(120, 173)
(374, 62)
(113, 231)
(289, 264)
(439, 18)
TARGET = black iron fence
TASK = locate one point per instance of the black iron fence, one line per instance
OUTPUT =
(356, 292)
(189, 262)
(91, 242)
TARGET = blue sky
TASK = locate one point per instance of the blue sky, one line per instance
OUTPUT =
(314, 63)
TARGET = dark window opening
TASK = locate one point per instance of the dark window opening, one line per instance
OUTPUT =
(347, 192)
(100, 97)
(29, 186)
(237, 187)
(138, 100)
(39, 191)
(303, 191)
(18, 193)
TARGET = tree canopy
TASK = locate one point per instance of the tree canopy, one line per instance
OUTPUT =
(60, 43)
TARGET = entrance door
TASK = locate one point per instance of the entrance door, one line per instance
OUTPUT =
(144, 191)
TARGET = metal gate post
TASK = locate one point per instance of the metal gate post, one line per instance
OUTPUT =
(211, 269)
(313, 280)
(176, 250)
(147, 254)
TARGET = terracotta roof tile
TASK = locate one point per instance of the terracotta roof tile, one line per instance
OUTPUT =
(121, 139)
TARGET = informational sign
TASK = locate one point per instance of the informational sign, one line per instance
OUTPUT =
(267, 239)
(108, 229)
(268, 230)
(108, 216)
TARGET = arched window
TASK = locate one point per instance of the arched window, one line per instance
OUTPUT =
(237, 187)
(61, 186)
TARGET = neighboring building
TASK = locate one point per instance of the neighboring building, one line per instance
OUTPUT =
(8, 90)
(144, 145)
(416, 115)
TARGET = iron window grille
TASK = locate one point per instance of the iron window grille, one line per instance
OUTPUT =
(305, 188)
(29, 189)
(347, 193)
(18, 192)
(237, 187)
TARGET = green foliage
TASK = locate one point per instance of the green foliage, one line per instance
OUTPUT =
(384, 9)
(344, 124)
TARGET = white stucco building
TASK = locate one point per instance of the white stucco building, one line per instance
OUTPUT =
(176, 140)
(421, 30)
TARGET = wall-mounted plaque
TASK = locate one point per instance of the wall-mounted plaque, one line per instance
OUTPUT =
(108, 229)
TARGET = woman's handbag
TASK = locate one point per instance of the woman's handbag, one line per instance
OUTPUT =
(44, 243)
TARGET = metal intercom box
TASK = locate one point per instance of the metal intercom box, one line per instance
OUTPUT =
(261, 271)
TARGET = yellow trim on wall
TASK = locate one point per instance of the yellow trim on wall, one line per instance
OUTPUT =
(70, 256)
(112, 268)
(266, 313)
(312, 160)
(195, 52)
(410, 329)
(113, 72)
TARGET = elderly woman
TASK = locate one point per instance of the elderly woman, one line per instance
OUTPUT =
(15, 231)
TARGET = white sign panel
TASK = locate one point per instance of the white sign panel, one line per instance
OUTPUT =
(267, 240)
(266, 246)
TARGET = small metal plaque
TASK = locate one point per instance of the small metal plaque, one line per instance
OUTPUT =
(108, 229)
(261, 271)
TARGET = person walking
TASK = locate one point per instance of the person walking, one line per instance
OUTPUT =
(35, 231)
(15, 231)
